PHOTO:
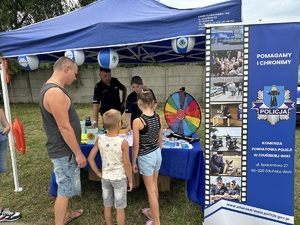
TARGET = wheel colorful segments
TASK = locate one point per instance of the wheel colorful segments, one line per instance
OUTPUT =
(182, 113)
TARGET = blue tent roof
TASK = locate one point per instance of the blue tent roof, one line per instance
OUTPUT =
(139, 30)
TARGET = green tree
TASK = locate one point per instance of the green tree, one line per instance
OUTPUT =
(15, 14)
(85, 2)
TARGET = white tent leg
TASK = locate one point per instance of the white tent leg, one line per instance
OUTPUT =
(10, 134)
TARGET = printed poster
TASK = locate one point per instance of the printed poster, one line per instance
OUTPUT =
(251, 89)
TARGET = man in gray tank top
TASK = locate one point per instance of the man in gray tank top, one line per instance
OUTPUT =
(62, 127)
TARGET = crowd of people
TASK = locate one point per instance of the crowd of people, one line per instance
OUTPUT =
(62, 126)
(227, 64)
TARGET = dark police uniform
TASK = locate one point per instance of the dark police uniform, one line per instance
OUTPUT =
(216, 191)
(217, 164)
(132, 106)
(234, 192)
(109, 96)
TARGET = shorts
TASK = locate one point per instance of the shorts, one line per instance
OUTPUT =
(3, 153)
(150, 163)
(114, 193)
(67, 176)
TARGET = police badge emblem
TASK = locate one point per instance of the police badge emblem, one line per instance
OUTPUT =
(273, 104)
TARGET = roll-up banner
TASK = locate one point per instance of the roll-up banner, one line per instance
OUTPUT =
(251, 91)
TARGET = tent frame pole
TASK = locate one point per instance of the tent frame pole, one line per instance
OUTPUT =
(10, 134)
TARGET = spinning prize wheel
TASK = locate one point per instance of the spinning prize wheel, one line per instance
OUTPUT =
(183, 115)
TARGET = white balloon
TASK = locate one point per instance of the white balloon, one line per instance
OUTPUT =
(30, 62)
(183, 44)
(77, 56)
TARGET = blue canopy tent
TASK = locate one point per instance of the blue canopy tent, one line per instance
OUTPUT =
(139, 30)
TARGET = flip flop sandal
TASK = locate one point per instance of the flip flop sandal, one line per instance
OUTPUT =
(149, 222)
(75, 214)
(145, 212)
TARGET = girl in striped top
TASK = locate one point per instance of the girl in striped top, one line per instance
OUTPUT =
(146, 149)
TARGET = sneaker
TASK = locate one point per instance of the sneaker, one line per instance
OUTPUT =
(7, 216)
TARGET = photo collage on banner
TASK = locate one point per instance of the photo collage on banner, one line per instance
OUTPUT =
(250, 114)
(226, 107)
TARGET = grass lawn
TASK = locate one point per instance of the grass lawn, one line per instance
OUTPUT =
(35, 167)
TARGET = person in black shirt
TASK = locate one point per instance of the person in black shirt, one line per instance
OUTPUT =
(106, 91)
(233, 192)
(132, 109)
(219, 190)
(216, 163)
(226, 114)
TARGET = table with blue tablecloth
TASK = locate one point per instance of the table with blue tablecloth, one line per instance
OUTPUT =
(186, 164)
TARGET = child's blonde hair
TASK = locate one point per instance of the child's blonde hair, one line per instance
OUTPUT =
(111, 118)
(146, 96)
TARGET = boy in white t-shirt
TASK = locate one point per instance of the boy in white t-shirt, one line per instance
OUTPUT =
(116, 167)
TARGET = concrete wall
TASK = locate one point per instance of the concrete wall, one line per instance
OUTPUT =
(164, 80)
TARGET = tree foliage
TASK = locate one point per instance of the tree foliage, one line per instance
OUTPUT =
(85, 2)
(16, 14)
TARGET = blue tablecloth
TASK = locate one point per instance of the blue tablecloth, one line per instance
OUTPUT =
(186, 164)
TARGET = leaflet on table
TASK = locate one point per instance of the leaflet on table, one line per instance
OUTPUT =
(166, 144)
(128, 137)
(177, 144)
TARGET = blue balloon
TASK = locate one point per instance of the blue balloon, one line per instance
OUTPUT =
(108, 58)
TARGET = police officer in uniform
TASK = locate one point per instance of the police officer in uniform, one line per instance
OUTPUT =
(234, 192)
(218, 191)
(107, 92)
(217, 164)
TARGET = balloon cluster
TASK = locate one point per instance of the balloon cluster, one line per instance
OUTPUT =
(107, 58)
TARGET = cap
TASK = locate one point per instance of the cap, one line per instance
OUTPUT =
(104, 69)
(219, 178)
(233, 182)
